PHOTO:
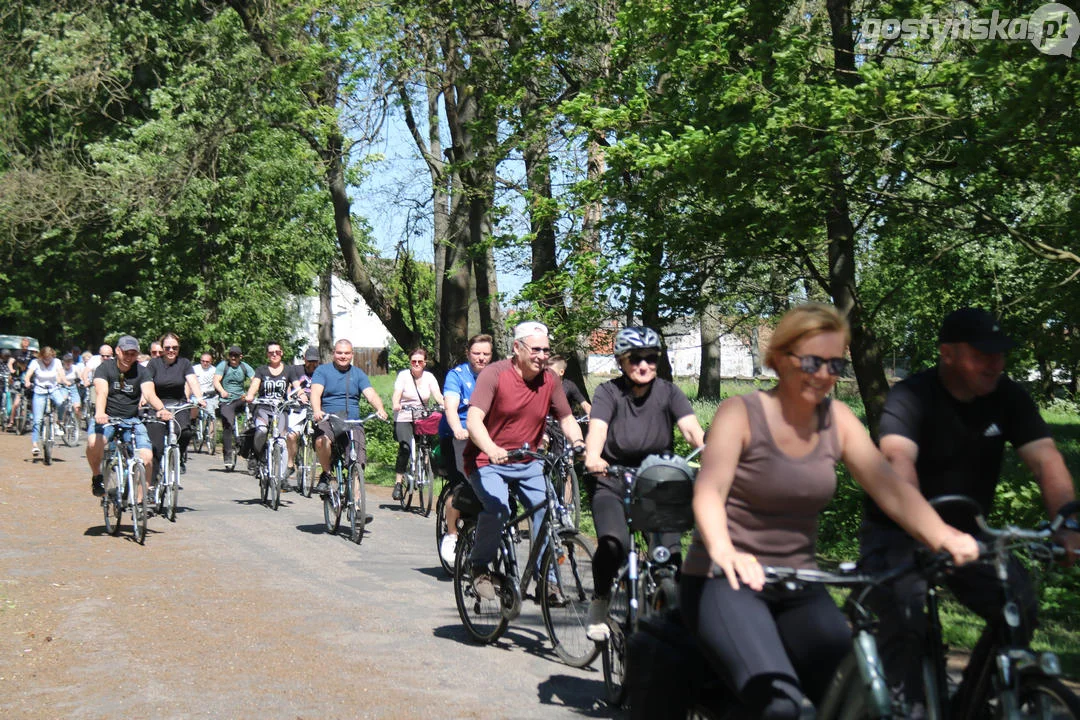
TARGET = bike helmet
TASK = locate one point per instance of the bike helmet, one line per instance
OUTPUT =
(636, 338)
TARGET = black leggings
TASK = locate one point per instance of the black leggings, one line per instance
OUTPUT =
(157, 432)
(613, 536)
(771, 646)
(403, 433)
(228, 409)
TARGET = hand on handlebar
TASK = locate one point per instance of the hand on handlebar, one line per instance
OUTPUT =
(963, 548)
(739, 567)
(499, 457)
(1070, 540)
(164, 414)
(596, 464)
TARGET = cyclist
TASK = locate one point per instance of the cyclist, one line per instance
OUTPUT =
(457, 389)
(119, 386)
(336, 388)
(174, 382)
(272, 381)
(23, 355)
(17, 366)
(47, 378)
(297, 418)
(574, 395)
(71, 374)
(634, 416)
(105, 352)
(944, 431)
(412, 389)
(508, 408)
(5, 383)
(204, 375)
(767, 471)
(230, 376)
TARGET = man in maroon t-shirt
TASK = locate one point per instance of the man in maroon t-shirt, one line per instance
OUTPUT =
(507, 409)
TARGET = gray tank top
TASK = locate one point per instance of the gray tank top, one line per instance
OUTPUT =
(775, 499)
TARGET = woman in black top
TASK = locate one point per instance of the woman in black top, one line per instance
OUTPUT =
(174, 381)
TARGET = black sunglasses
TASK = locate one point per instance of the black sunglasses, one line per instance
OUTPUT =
(636, 358)
(810, 364)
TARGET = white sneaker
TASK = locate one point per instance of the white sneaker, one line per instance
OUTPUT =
(484, 586)
(34, 451)
(448, 549)
(597, 629)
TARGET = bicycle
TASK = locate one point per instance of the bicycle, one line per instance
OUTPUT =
(167, 489)
(242, 421)
(272, 468)
(441, 527)
(69, 426)
(21, 418)
(48, 427)
(204, 429)
(1009, 680)
(559, 563)
(347, 473)
(419, 477)
(125, 481)
(305, 456)
(567, 484)
(645, 582)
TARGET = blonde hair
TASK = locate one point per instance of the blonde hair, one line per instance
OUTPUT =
(804, 321)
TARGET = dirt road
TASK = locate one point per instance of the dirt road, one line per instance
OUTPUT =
(236, 611)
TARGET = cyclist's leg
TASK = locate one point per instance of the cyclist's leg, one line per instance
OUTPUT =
(227, 410)
(95, 453)
(532, 489)
(156, 433)
(494, 494)
(324, 434)
(38, 409)
(295, 425)
(739, 636)
(144, 446)
(262, 420)
(183, 419)
(455, 474)
(612, 535)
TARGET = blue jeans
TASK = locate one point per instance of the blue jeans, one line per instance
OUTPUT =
(142, 439)
(59, 394)
(492, 486)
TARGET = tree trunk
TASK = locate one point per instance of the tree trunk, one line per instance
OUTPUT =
(326, 315)
(709, 378)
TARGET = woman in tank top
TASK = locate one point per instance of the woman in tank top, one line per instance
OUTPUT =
(768, 469)
(45, 375)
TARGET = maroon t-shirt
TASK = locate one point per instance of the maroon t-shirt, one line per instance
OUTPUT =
(514, 409)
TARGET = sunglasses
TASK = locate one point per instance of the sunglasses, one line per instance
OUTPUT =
(810, 364)
(638, 358)
(167, 348)
(539, 350)
(418, 363)
(273, 352)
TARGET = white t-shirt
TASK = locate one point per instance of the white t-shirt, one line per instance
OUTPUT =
(413, 394)
(45, 377)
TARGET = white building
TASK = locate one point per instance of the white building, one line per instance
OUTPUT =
(352, 318)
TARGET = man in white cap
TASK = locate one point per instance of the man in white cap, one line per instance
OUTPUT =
(507, 409)
(119, 385)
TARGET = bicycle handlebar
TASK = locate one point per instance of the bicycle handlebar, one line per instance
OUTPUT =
(525, 451)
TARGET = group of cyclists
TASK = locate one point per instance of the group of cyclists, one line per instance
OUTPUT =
(767, 470)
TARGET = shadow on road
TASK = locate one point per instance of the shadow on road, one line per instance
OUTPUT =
(579, 695)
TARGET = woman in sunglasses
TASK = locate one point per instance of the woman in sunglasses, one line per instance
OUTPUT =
(633, 416)
(768, 471)
(412, 389)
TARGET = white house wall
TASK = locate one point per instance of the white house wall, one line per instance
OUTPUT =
(352, 318)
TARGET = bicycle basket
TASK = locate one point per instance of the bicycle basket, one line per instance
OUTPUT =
(342, 438)
(662, 495)
(466, 501)
(427, 425)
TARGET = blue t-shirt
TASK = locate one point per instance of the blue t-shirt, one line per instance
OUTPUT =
(460, 381)
(339, 385)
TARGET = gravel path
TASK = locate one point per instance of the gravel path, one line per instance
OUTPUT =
(236, 611)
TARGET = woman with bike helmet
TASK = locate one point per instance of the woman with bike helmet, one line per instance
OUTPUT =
(768, 471)
(633, 416)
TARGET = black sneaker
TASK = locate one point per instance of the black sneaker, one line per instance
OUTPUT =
(183, 468)
(97, 485)
(397, 491)
(324, 484)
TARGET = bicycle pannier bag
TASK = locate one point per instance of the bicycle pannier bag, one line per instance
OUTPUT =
(246, 444)
(428, 425)
(662, 495)
(466, 501)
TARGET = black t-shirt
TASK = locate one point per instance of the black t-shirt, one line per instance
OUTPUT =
(170, 381)
(275, 387)
(960, 443)
(124, 390)
(638, 427)
(573, 393)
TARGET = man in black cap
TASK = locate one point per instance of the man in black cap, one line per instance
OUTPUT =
(944, 430)
(231, 377)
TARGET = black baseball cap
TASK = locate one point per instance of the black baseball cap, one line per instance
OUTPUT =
(977, 328)
(311, 354)
(235, 350)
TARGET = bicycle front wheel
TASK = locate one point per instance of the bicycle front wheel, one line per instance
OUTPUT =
(140, 506)
(357, 503)
(71, 429)
(425, 484)
(278, 459)
(566, 592)
(171, 489)
(332, 505)
(614, 650)
(211, 435)
(113, 502)
(198, 439)
(1040, 696)
(305, 467)
(441, 528)
(47, 438)
(571, 495)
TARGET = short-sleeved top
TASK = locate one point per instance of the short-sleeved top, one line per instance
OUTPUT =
(960, 443)
(170, 381)
(46, 377)
(125, 389)
(413, 394)
(638, 426)
(775, 499)
(205, 378)
(574, 396)
(341, 389)
(232, 378)
(515, 410)
(460, 383)
(275, 387)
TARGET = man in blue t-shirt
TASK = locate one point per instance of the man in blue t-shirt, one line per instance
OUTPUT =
(336, 389)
